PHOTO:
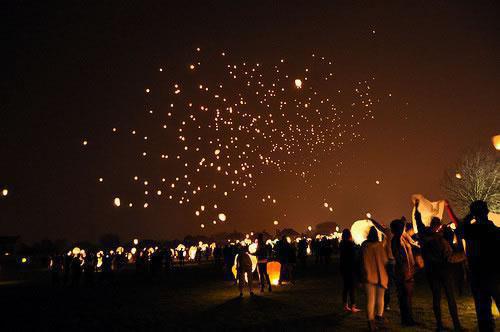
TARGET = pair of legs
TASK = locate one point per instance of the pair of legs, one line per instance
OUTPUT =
(263, 276)
(484, 291)
(374, 301)
(286, 272)
(348, 290)
(389, 267)
(405, 294)
(440, 278)
(241, 281)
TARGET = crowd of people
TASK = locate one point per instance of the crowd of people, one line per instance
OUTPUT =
(443, 251)
(385, 263)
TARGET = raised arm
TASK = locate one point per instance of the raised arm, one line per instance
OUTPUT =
(418, 218)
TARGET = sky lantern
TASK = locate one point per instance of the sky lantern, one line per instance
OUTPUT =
(222, 217)
(5, 192)
(117, 201)
(298, 83)
(309, 228)
(360, 229)
(275, 222)
(496, 142)
(458, 175)
(192, 252)
(274, 269)
(75, 251)
(427, 209)
(136, 241)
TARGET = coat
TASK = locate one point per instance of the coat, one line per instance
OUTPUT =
(374, 261)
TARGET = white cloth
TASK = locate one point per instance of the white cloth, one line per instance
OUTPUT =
(427, 209)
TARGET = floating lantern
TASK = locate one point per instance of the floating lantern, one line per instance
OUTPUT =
(360, 229)
(222, 217)
(458, 176)
(274, 270)
(117, 201)
(309, 228)
(275, 222)
(298, 83)
(24, 260)
(496, 142)
(5, 192)
(136, 241)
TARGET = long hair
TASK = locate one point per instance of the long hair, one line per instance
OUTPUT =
(346, 235)
(372, 235)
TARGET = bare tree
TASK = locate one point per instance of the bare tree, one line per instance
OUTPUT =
(475, 177)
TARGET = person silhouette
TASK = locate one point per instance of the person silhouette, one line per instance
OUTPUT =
(482, 238)
(438, 256)
(349, 261)
(244, 269)
(262, 257)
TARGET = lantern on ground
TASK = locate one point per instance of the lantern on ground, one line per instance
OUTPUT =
(192, 252)
(496, 142)
(274, 270)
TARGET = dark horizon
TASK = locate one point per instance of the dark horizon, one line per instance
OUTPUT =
(77, 70)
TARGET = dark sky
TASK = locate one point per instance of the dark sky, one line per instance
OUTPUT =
(74, 70)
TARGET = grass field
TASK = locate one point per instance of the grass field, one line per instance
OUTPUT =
(197, 298)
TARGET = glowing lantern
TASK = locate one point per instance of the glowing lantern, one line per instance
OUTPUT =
(5, 192)
(76, 251)
(222, 217)
(298, 83)
(192, 252)
(275, 222)
(458, 176)
(117, 201)
(274, 270)
(119, 250)
(180, 247)
(496, 142)
(360, 229)
(309, 228)
(368, 215)
(252, 248)
(427, 209)
(136, 241)
(133, 250)
(24, 260)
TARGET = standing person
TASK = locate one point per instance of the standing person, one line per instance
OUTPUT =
(482, 238)
(404, 270)
(390, 262)
(437, 255)
(262, 258)
(374, 262)
(348, 269)
(244, 267)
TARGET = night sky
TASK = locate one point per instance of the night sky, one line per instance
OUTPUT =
(76, 71)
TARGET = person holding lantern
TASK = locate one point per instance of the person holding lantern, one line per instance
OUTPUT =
(438, 257)
(374, 261)
(404, 270)
(244, 269)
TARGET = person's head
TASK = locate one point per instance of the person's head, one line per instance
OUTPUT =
(260, 238)
(409, 228)
(346, 235)
(397, 227)
(479, 209)
(372, 235)
(435, 224)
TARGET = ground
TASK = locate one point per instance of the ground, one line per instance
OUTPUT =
(198, 298)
